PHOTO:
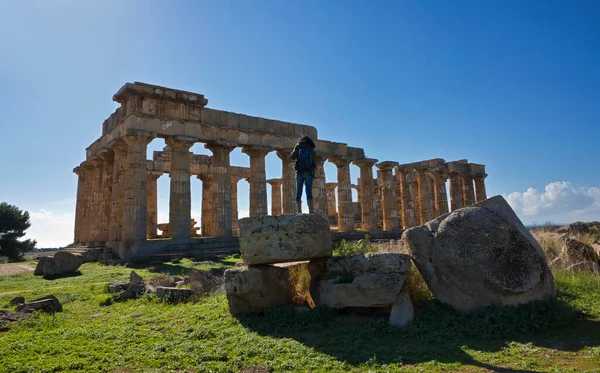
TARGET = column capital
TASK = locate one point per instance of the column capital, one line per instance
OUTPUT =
(205, 177)
(79, 170)
(386, 165)
(284, 154)
(183, 142)
(339, 161)
(275, 182)
(120, 146)
(331, 186)
(136, 136)
(154, 174)
(354, 186)
(320, 158)
(256, 150)
(229, 146)
(480, 177)
(365, 162)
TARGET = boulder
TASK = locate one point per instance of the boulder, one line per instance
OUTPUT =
(17, 300)
(173, 293)
(49, 304)
(402, 311)
(117, 286)
(575, 228)
(363, 280)
(253, 289)
(480, 255)
(135, 288)
(9, 316)
(284, 238)
(575, 251)
(591, 267)
(202, 282)
(62, 263)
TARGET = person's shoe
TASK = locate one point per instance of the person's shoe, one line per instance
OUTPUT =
(299, 207)
(310, 206)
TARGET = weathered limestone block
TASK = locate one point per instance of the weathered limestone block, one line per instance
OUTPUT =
(575, 251)
(253, 289)
(49, 304)
(363, 280)
(480, 255)
(202, 282)
(62, 263)
(402, 311)
(284, 238)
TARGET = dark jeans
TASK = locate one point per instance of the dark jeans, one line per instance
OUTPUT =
(304, 177)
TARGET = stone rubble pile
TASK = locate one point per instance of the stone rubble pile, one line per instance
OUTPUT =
(24, 310)
(276, 249)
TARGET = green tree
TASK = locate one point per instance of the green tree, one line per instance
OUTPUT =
(13, 223)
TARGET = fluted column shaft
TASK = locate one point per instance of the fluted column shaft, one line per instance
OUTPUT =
(456, 196)
(106, 196)
(96, 221)
(115, 231)
(275, 196)
(80, 204)
(180, 204)
(257, 180)
(135, 204)
(480, 188)
(408, 215)
(288, 176)
(441, 198)
(234, 204)
(424, 198)
(467, 190)
(86, 229)
(206, 229)
(366, 196)
(152, 209)
(221, 189)
(390, 214)
(319, 188)
(344, 194)
(331, 206)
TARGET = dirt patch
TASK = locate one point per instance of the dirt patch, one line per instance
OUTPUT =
(15, 268)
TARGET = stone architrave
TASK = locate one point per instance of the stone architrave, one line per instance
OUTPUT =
(180, 204)
(221, 188)
(344, 194)
(206, 229)
(258, 180)
(467, 190)
(480, 192)
(319, 188)
(234, 204)
(80, 204)
(331, 206)
(275, 196)
(441, 198)
(481, 255)
(424, 197)
(118, 195)
(390, 215)
(367, 198)
(135, 203)
(456, 196)
(288, 176)
(152, 209)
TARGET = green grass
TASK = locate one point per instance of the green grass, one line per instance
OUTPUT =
(147, 335)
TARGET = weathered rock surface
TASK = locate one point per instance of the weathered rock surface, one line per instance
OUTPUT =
(577, 227)
(173, 293)
(481, 255)
(585, 267)
(135, 288)
(49, 304)
(17, 300)
(62, 263)
(9, 316)
(117, 286)
(202, 282)
(284, 238)
(253, 289)
(575, 251)
(402, 310)
(364, 280)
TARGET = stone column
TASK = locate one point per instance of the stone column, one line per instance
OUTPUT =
(152, 209)
(367, 197)
(180, 203)
(378, 199)
(441, 198)
(234, 204)
(424, 197)
(106, 195)
(275, 196)
(456, 196)
(407, 215)
(344, 195)
(86, 229)
(96, 218)
(480, 187)
(118, 192)
(331, 206)
(390, 215)
(221, 188)
(206, 229)
(288, 176)
(319, 188)
(80, 204)
(257, 180)
(135, 203)
(467, 190)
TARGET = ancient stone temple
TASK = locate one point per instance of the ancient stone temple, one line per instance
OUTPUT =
(117, 187)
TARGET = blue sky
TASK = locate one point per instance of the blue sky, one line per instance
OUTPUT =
(514, 85)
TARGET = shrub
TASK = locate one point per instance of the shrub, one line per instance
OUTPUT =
(361, 246)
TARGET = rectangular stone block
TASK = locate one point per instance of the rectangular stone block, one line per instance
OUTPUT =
(284, 238)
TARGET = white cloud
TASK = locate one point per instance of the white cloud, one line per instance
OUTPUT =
(559, 202)
(50, 229)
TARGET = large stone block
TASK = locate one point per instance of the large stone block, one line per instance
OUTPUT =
(284, 238)
(481, 255)
(62, 263)
(364, 280)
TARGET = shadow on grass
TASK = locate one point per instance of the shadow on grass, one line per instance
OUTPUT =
(64, 275)
(438, 333)
(176, 269)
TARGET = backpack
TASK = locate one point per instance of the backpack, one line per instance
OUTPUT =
(304, 161)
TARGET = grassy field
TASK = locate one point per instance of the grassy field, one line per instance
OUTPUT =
(147, 335)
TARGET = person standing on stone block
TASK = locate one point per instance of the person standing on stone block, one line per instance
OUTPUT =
(304, 154)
